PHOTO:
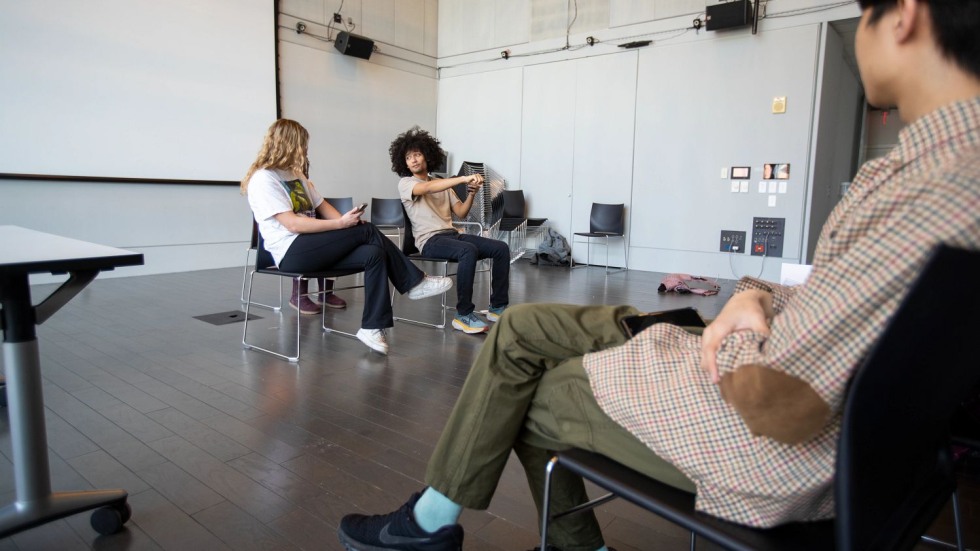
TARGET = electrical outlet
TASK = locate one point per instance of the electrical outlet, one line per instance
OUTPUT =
(732, 241)
(337, 18)
(767, 236)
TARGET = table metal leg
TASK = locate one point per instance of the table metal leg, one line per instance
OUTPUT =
(35, 504)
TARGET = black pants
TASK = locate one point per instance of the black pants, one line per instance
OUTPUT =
(358, 247)
(466, 249)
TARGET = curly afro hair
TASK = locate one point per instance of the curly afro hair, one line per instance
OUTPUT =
(415, 139)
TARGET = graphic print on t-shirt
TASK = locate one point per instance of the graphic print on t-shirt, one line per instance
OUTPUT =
(298, 197)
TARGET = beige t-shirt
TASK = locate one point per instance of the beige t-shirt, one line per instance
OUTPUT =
(429, 214)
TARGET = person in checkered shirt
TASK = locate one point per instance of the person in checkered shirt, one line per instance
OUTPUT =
(746, 415)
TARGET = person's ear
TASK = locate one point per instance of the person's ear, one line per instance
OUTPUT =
(908, 19)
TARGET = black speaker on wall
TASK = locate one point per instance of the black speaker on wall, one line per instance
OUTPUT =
(352, 44)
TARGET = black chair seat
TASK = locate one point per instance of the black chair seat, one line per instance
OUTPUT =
(510, 224)
(535, 222)
(677, 506)
(598, 234)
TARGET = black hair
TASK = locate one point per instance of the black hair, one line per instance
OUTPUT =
(955, 24)
(415, 139)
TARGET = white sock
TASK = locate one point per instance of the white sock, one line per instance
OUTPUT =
(434, 510)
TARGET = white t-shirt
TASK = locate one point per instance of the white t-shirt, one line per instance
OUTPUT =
(428, 214)
(272, 191)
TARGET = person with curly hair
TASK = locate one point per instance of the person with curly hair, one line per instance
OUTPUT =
(285, 205)
(430, 203)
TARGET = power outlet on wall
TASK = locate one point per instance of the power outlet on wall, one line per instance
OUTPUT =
(732, 241)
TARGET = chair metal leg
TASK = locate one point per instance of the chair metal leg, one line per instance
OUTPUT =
(443, 306)
(547, 517)
(248, 304)
(617, 270)
(546, 505)
(960, 546)
(245, 280)
(957, 520)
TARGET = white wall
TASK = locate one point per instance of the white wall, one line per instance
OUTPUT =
(653, 127)
(352, 107)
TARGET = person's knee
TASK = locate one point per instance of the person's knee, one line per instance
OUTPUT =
(373, 255)
(468, 255)
(520, 315)
(501, 251)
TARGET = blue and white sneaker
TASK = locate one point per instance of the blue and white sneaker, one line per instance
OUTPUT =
(470, 324)
(494, 314)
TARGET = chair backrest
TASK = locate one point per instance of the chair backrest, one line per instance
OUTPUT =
(263, 258)
(254, 243)
(607, 218)
(342, 204)
(387, 212)
(408, 237)
(513, 203)
(894, 471)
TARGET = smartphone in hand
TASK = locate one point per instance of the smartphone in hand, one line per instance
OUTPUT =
(361, 208)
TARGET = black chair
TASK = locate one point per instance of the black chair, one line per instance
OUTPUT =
(513, 224)
(894, 471)
(253, 246)
(388, 215)
(342, 204)
(413, 253)
(605, 221)
(264, 264)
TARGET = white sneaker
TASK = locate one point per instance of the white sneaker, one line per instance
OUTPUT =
(430, 286)
(375, 339)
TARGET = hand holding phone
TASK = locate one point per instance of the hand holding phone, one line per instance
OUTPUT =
(361, 208)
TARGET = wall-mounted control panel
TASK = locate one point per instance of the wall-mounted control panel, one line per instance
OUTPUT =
(767, 236)
(732, 241)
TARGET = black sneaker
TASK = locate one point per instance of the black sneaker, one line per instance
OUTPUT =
(397, 531)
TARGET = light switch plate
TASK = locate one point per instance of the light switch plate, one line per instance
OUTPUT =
(734, 186)
(779, 105)
(724, 172)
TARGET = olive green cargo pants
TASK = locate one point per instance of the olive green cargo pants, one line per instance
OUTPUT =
(527, 391)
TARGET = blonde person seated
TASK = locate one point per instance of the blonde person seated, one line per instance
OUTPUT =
(285, 206)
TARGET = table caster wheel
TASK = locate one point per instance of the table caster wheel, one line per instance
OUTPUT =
(110, 519)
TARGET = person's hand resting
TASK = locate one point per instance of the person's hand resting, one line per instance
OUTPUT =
(746, 311)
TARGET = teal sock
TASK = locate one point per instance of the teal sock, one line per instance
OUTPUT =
(434, 510)
(603, 548)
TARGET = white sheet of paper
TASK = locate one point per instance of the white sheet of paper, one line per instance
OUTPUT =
(794, 274)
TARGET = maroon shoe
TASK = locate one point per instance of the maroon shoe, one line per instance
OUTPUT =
(330, 300)
(305, 305)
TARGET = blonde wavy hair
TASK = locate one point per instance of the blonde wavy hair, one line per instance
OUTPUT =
(284, 147)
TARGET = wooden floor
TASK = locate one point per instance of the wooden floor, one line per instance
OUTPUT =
(224, 448)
